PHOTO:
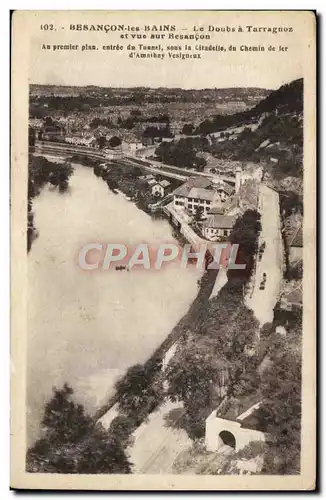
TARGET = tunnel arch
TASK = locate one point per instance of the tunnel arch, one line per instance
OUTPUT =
(226, 437)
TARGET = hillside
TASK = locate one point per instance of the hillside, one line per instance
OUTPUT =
(270, 133)
(288, 98)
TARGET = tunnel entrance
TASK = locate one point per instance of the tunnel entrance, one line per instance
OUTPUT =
(227, 438)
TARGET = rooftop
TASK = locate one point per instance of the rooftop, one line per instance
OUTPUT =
(217, 221)
(199, 182)
(201, 193)
(165, 183)
(241, 409)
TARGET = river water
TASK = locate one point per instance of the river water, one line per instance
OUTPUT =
(87, 327)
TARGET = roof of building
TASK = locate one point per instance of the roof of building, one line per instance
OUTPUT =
(240, 409)
(217, 208)
(201, 194)
(199, 182)
(217, 221)
(165, 183)
(131, 138)
(222, 186)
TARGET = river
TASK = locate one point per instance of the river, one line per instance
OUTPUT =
(87, 327)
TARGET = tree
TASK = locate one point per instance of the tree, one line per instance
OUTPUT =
(72, 443)
(102, 453)
(194, 376)
(140, 390)
(280, 413)
(101, 141)
(188, 129)
(48, 122)
(42, 171)
(114, 141)
(245, 233)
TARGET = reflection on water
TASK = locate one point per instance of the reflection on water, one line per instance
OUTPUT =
(87, 327)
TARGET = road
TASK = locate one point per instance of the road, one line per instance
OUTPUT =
(262, 302)
(158, 441)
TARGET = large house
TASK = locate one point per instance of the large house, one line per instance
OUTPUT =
(198, 192)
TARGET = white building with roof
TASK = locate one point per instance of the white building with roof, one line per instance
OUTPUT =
(218, 226)
(236, 428)
(161, 188)
(198, 192)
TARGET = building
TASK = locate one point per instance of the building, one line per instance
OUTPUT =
(223, 190)
(217, 226)
(236, 427)
(225, 210)
(131, 143)
(161, 188)
(82, 141)
(35, 123)
(197, 192)
(52, 132)
(246, 198)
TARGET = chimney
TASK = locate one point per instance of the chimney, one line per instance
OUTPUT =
(238, 173)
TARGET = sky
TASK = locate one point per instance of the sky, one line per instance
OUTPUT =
(215, 69)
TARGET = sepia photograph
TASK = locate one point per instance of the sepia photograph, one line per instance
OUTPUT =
(163, 187)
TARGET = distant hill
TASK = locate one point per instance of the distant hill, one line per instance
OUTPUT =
(288, 98)
(250, 96)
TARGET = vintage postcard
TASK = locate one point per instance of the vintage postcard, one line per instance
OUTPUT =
(163, 250)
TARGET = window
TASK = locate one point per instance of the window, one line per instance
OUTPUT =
(226, 232)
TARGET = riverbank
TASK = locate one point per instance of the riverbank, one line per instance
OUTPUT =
(42, 172)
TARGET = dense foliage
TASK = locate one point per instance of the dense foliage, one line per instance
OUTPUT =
(280, 414)
(72, 443)
(213, 358)
(140, 391)
(245, 233)
(182, 153)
